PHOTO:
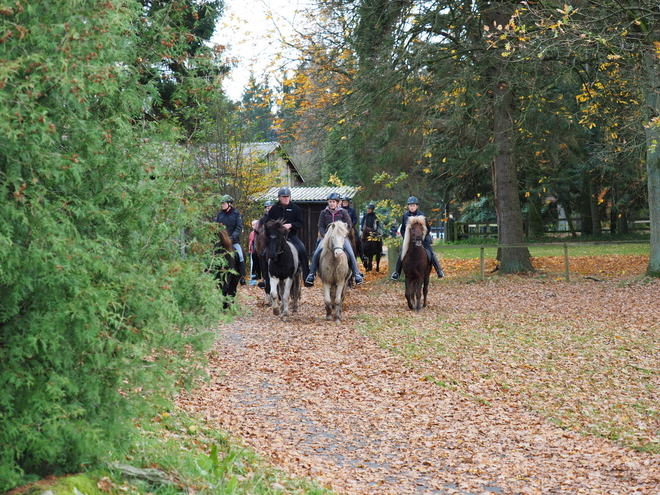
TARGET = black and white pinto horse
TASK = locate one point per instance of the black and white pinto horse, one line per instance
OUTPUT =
(284, 269)
(334, 269)
(372, 246)
(225, 267)
(415, 262)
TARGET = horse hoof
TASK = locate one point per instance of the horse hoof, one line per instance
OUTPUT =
(276, 311)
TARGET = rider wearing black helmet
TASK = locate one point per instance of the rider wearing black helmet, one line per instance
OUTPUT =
(333, 212)
(413, 211)
(291, 213)
(345, 204)
(370, 220)
(230, 217)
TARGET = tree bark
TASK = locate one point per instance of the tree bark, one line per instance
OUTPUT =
(653, 155)
(505, 181)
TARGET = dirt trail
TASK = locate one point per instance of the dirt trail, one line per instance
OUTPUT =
(322, 400)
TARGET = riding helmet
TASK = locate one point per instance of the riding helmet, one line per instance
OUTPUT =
(284, 191)
(413, 200)
(334, 196)
(371, 205)
(268, 203)
(345, 198)
(226, 199)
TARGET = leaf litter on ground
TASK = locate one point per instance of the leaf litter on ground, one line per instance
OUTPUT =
(517, 384)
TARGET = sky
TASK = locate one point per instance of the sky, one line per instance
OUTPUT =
(251, 30)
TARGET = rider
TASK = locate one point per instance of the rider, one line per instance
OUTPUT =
(333, 212)
(291, 213)
(371, 221)
(230, 217)
(413, 204)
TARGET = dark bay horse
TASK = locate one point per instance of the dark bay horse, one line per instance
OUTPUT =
(415, 262)
(334, 269)
(261, 247)
(284, 269)
(372, 245)
(225, 263)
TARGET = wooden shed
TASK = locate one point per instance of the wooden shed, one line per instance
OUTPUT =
(311, 200)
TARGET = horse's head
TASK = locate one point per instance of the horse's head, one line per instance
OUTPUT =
(417, 227)
(276, 237)
(225, 240)
(334, 238)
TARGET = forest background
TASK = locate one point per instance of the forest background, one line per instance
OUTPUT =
(118, 140)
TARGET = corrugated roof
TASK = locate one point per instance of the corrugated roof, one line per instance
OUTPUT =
(310, 194)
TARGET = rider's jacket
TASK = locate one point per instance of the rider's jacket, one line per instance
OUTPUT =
(290, 213)
(231, 219)
(328, 216)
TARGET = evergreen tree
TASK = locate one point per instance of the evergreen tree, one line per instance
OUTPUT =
(99, 311)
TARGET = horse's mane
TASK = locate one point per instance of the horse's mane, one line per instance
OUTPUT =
(342, 230)
(412, 221)
(277, 225)
(225, 240)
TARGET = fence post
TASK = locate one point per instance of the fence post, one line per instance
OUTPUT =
(566, 275)
(481, 260)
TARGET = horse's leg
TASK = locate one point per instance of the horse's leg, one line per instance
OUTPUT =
(327, 299)
(274, 287)
(295, 291)
(409, 293)
(286, 293)
(426, 286)
(339, 299)
(378, 259)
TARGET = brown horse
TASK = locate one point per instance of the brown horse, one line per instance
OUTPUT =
(372, 245)
(415, 262)
(225, 263)
(334, 269)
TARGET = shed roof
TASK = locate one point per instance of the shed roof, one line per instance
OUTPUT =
(310, 194)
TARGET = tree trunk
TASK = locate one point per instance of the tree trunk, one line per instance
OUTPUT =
(653, 156)
(593, 206)
(505, 181)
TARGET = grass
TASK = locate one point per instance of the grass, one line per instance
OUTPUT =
(203, 460)
(581, 372)
(603, 248)
(193, 456)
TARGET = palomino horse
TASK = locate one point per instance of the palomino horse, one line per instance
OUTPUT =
(225, 262)
(284, 269)
(415, 262)
(334, 269)
(372, 245)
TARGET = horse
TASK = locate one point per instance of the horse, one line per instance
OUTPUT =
(372, 245)
(284, 269)
(226, 272)
(261, 247)
(334, 269)
(415, 262)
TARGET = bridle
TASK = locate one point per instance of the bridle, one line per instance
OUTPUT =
(334, 247)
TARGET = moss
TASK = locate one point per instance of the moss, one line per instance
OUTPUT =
(70, 485)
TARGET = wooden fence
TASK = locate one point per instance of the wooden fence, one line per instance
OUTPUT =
(564, 245)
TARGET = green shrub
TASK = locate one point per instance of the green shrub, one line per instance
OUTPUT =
(98, 309)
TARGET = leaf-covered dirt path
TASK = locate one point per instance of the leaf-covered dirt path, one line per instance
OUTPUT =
(322, 400)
